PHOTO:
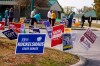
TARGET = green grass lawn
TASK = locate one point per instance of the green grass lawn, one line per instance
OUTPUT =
(51, 57)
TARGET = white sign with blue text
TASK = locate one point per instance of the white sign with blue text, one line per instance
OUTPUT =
(30, 44)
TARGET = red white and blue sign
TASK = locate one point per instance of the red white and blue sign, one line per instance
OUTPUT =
(10, 34)
(30, 44)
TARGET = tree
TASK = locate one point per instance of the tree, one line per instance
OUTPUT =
(97, 7)
(41, 3)
(25, 4)
(86, 9)
(68, 10)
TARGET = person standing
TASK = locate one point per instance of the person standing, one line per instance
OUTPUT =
(36, 19)
(0, 18)
(70, 18)
(6, 13)
(53, 18)
(49, 15)
(32, 14)
(82, 20)
(89, 20)
(11, 14)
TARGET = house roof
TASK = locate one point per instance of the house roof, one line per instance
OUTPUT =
(91, 13)
(51, 2)
(54, 5)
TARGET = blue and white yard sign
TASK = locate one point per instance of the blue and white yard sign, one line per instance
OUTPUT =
(30, 44)
(48, 28)
(36, 30)
(10, 34)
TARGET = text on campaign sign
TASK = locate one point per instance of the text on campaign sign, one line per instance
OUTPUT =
(10, 34)
(30, 44)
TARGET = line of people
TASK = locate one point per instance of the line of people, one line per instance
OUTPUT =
(8, 14)
(35, 17)
(83, 20)
(51, 17)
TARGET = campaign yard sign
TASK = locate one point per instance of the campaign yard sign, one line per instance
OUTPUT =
(31, 29)
(27, 21)
(10, 34)
(57, 35)
(67, 41)
(2, 25)
(88, 38)
(73, 37)
(63, 22)
(17, 27)
(67, 30)
(30, 44)
(36, 30)
(48, 28)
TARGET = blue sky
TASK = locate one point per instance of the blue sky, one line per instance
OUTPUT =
(76, 3)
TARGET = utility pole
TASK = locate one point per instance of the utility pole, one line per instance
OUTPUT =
(32, 5)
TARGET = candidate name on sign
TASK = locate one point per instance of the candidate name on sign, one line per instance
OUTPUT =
(30, 43)
(57, 34)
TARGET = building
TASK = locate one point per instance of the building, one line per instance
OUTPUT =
(20, 12)
(9, 4)
(53, 5)
(5, 4)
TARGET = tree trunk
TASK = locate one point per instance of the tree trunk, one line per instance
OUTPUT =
(17, 13)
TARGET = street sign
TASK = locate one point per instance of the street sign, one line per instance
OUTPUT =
(10, 34)
(30, 44)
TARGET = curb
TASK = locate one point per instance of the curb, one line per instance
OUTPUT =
(82, 62)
